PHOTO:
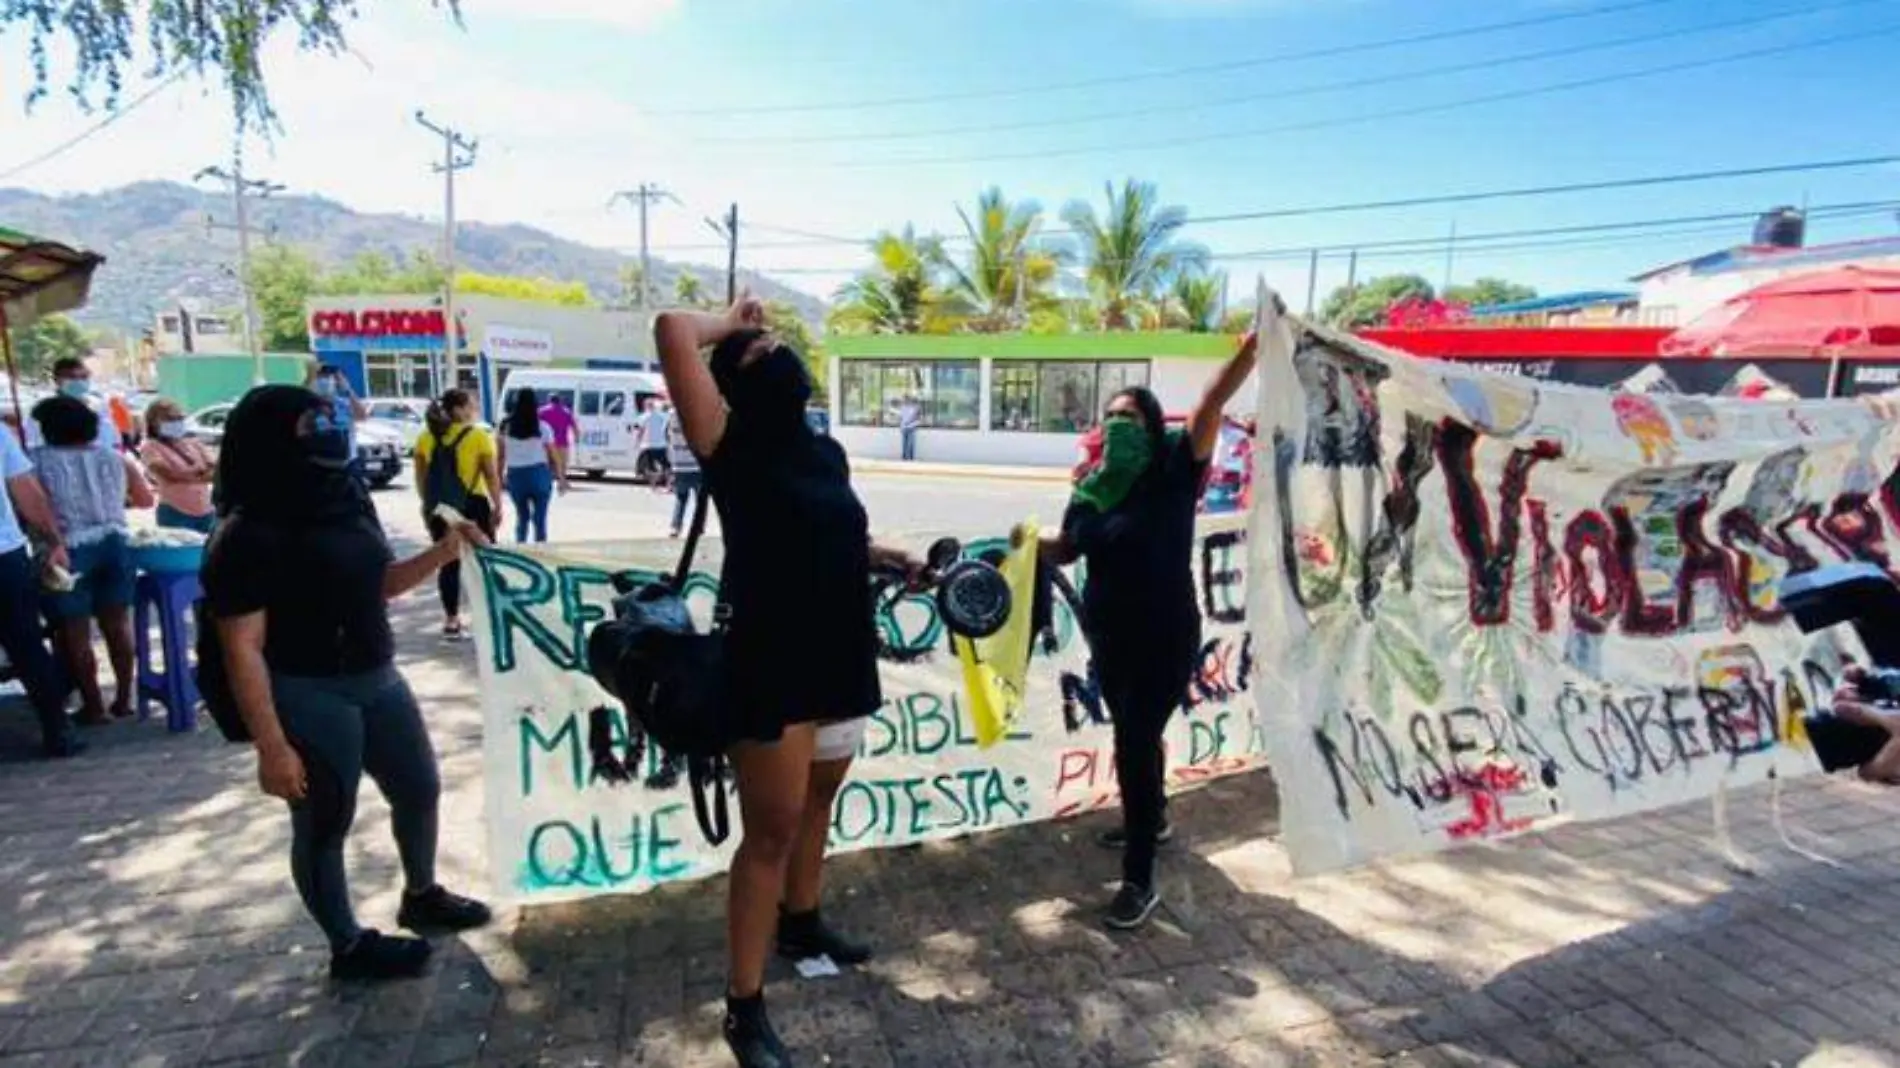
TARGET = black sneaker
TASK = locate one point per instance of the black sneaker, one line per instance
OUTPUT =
(435, 909)
(750, 1037)
(374, 957)
(804, 935)
(1131, 908)
(1117, 837)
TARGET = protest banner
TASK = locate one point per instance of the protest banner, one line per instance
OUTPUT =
(556, 833)
(1483, 603)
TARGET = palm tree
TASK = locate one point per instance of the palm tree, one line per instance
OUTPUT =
(897, 296)
(688, 290)
(1132, 251)
(1003, 277)
(1194, 300)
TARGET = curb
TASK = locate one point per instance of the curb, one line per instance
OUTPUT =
(992, 474)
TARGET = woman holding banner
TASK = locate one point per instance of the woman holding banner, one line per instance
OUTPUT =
(1132, 519)
(800, 640)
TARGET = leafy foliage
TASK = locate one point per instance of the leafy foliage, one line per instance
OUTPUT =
(1195, 300)
(1488, 291)
(689, 291)
(48, 340)
(1132, 251)
(898, 294)
(223, 37)
(1004, 276)
(1366, 305)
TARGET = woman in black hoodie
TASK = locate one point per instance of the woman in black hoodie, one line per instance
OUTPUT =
(297, 577)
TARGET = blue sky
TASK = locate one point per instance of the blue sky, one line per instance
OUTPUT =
(573, 99)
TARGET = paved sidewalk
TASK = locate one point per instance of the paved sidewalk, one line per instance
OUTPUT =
(148, 920)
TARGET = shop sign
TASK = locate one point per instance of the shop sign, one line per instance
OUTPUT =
(517, 344)
(419, 322)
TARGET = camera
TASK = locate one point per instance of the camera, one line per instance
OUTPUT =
(1865, 596)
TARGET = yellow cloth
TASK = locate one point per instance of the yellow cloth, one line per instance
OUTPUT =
(996, 668)
(473, 454)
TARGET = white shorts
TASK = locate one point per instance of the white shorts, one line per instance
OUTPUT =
(839, 740)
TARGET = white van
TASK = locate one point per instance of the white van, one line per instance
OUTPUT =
(606, 407)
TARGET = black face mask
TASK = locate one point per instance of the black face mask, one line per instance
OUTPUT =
(327, 450)
(776, 387)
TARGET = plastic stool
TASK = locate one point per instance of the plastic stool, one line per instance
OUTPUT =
(174, 594)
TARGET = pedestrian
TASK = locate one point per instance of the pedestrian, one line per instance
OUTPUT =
(298, 578)
(910, 416)
(685, 468)
(800, 640)
(72, 378)
(343, 409)
(456, 465)
(90, 488)
(24, 507)
(1132, 520)
(560, 418)
(181, 469)
(651, 463)
(527, 455)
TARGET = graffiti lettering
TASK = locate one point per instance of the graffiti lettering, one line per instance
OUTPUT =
(563, 854)
(918, 806)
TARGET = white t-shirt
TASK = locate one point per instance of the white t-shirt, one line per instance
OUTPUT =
(653, 430)
(527, 452)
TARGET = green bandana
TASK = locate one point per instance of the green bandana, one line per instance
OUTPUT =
(1127, 451)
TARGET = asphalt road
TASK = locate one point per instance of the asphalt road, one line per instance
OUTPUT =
(899, 504)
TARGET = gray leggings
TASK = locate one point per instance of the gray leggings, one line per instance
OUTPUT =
(343, 727)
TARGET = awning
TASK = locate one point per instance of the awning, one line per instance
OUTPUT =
(1843, 311)
(37, 278)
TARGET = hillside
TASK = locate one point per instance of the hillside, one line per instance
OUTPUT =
(158, 252)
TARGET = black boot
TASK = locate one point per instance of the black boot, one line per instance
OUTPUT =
(803, 935)
(750, 1037)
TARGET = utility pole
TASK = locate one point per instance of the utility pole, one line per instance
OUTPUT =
(235, 181)
(729, 230)
(458, 153)
(1312, 281)
(641, 196)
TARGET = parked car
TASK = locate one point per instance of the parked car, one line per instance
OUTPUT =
(379, 446)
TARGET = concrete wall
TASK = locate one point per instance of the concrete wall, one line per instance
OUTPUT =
(200, 381)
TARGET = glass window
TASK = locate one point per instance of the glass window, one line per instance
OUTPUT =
(946, 391)
(1057, 397)
(169, 324)
(383, 375)
(613, 405)
(590, 403)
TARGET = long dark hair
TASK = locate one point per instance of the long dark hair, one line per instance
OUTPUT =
(438, 417)
(1156, 420)
(524, 416)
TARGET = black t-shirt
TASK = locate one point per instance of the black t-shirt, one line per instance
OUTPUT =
(320, 586)
(800, 639)
(1139, 596)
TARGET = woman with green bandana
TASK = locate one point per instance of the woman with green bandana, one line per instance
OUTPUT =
(1132, 519)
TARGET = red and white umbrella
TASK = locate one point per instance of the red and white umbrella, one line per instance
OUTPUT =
(1848, 310)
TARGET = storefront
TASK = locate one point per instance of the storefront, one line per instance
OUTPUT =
(1004, 398)
(392, 346)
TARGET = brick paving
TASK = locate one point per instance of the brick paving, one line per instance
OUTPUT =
(147, 919)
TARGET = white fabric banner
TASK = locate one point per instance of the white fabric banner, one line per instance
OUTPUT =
(1482, 604)
(554, 833)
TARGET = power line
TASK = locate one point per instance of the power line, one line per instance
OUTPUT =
(1541, 237)
(77, 139)
(1438, 199)
(1172, 72)
(1278, 95)
(1228, 136)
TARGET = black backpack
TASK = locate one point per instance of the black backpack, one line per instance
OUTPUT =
(672, 682)
(214, 683)
(442, 483)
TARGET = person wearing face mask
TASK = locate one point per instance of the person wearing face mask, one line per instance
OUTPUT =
(72, 378)
(800, 639)
(1132, 519)
(345, 408)
(311, 662)
(181, 469)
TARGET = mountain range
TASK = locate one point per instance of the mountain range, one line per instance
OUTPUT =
(159, 249)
